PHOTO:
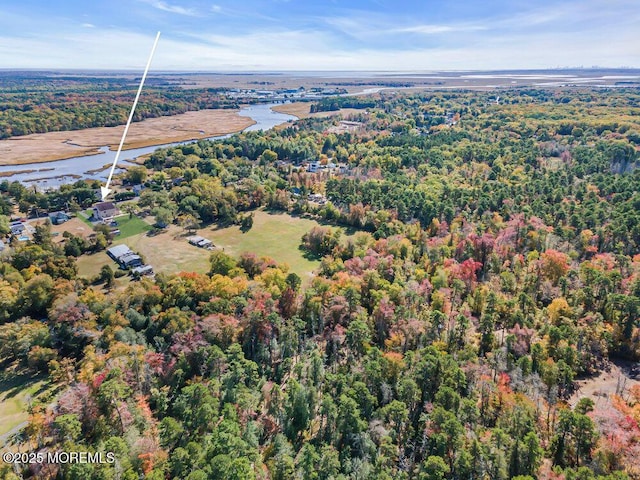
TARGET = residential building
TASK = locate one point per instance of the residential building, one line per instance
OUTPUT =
(17, 228)
(105, 210)
(58, 217)
(130, 260)
(118, 251)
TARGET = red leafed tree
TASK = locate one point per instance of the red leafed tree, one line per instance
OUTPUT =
(288, 302)
(466, 271)
(220, 329)
(554, 265)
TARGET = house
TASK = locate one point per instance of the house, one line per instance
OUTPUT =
(343, 168)
(124, 256)
(313, 167)
(105, 210)
(58, 217)
(2, 246)
(118, 251)
(17, 228)
(130, 260)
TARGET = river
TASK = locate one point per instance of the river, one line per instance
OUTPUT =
(53, 174)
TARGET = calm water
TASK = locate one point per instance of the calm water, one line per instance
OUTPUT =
(264, 117)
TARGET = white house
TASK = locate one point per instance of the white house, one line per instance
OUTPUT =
(105, 210)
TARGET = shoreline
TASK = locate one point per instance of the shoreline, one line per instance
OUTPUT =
(40, 179)
(11, 173)
(37, 148)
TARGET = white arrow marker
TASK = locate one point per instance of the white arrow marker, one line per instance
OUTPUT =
(106, 190)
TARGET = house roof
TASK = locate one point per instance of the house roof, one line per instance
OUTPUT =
(129, 257)
(119, 251)
(142, 269)
(104, 206)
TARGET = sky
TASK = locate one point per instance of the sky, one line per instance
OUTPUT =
(330, 35)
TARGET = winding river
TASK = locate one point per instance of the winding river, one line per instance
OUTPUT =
(53, 174)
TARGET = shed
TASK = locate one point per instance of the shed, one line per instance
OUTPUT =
(195, 239)
(142, 270)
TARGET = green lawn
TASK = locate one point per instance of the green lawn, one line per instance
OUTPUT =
(15, 395)
(276, 235)
(85, 216)
(131, 226)
(128, 226)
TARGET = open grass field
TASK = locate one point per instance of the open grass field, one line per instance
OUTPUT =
(167, 252)
(276, 235)
(15, 394)
(45, 147)
(131, 226)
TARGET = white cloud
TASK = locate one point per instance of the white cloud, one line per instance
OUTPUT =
(366, 42)
(160, 5)
(436, 29)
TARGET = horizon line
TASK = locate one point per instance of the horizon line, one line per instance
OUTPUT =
(285, 71)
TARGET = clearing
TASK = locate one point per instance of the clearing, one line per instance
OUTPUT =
(16, 393)
(46, 147)
(130, 226)
(82, 227)
(618, 378)
(75, 226)
(274, 234)
(301, 110)
(167, 252)
(277, 235)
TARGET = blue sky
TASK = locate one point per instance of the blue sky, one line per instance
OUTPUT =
(226, 35)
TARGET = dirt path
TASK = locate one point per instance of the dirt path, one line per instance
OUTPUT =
(618, 379)
(4, 439)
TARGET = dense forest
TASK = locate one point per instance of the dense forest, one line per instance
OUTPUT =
(40, 103)
(493, 261)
